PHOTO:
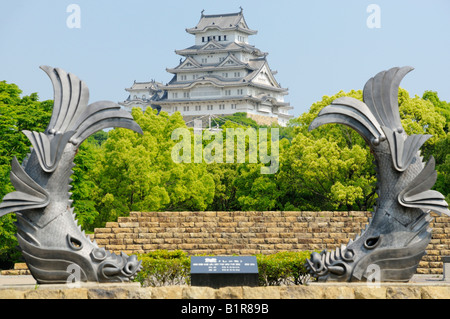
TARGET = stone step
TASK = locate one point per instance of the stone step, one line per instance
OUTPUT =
(20, 266)
(14, 272)
(20, 269)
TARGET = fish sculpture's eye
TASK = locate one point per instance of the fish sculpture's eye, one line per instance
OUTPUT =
(74, 243)
(372, 242)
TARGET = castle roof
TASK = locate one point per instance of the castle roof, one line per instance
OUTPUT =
(221, 47)
(222, 22)
(150, 85)
(259, 75)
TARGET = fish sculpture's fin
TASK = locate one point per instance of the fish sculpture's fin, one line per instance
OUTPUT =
(403, 151)
(28, 194)
(101, 115)
(380, 108)
(72, 113)
(49, 148)
(418, 193)
(380, 94)
(378, 117)
(71, 96)
(353, 113)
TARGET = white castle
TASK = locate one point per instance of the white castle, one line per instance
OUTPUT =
(218, 76)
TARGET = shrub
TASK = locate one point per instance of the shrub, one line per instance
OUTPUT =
(283, 268)
(163, 268)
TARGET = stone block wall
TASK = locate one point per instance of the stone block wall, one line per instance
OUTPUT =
(248, 233)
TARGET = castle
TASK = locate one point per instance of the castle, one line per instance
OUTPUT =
(219, 75)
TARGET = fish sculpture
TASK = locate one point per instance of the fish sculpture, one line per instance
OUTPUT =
(52, 243)
(391, 246)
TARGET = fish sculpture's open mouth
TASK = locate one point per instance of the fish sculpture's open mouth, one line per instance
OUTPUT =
(118, 267)
(397, 235)
(336, 264)
(54, 247)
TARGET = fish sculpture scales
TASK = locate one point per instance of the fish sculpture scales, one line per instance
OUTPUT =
(52, 243)
(395, 238)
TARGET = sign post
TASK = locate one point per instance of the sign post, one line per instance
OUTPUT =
(222, 271)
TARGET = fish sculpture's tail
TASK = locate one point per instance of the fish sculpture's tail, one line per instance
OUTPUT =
(397, 235)
(53, 245)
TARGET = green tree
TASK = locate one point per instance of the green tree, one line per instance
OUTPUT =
(239, 118)
(224, 175)
(442, 156)
(318, 174)
(86, 178)
(246, 182)
(421, 116)
(256, 191)
(17, 114)
(331, 167)
(138, 172)
(442, 107)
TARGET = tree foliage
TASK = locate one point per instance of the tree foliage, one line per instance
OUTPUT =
(329, 168)
(137, 172)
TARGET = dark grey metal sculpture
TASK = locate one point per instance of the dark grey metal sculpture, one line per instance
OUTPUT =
(398, 233)
(51, 242)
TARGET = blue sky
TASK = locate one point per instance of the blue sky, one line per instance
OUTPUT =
(317, 47)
